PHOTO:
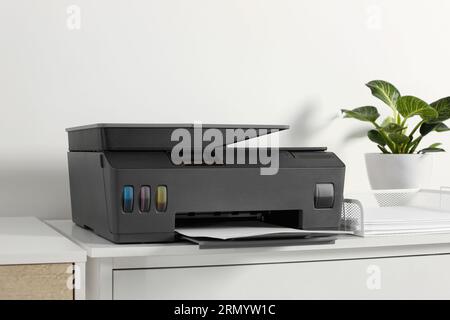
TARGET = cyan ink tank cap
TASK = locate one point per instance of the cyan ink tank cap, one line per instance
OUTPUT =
(127, 199)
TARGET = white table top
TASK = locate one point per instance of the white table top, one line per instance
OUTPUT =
(28, 240)
(345, 246)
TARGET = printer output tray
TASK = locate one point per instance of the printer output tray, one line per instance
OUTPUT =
(210, 243)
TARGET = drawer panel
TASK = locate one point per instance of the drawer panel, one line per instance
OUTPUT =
(417, 277)
(37, 281)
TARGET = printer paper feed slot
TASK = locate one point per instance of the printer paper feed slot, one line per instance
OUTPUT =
(282, 218)
(140, 137)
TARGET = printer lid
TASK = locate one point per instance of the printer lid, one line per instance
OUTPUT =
(150, 137)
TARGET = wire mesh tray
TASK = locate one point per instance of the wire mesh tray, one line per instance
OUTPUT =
(399, 211)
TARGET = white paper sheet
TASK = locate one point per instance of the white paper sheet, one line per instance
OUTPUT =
(403, 219)
(404, 214)
(239, 230)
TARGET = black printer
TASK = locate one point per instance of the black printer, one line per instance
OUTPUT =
(126, 186)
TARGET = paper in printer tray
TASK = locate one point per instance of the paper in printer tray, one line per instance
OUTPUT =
(253, 233)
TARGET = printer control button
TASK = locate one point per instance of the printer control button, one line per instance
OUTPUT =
(324, 195)
(161, 198)
(127, 199)
(144, 199)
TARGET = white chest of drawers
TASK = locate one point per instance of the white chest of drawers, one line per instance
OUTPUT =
(383, 267)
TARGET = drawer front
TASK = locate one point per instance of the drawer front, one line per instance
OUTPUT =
(424, 277)
(38, 281)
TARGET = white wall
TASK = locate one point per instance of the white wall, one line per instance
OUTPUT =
(293, 62)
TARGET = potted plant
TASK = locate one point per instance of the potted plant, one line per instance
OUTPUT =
(402, 163)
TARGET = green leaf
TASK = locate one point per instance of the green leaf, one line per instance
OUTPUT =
(384, 91)
(409, 106)
(426, 150)
(441, 127)
(376, 137)
(426, 127)
(442, 106)
(399, 138)
(435, 145)
(367, 113)
(393, 127)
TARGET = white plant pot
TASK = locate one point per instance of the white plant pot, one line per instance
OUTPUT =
(398, 171)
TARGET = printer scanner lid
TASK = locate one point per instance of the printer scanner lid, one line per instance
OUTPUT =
(150, 137)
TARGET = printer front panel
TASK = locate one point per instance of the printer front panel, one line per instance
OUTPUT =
(190, 191)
